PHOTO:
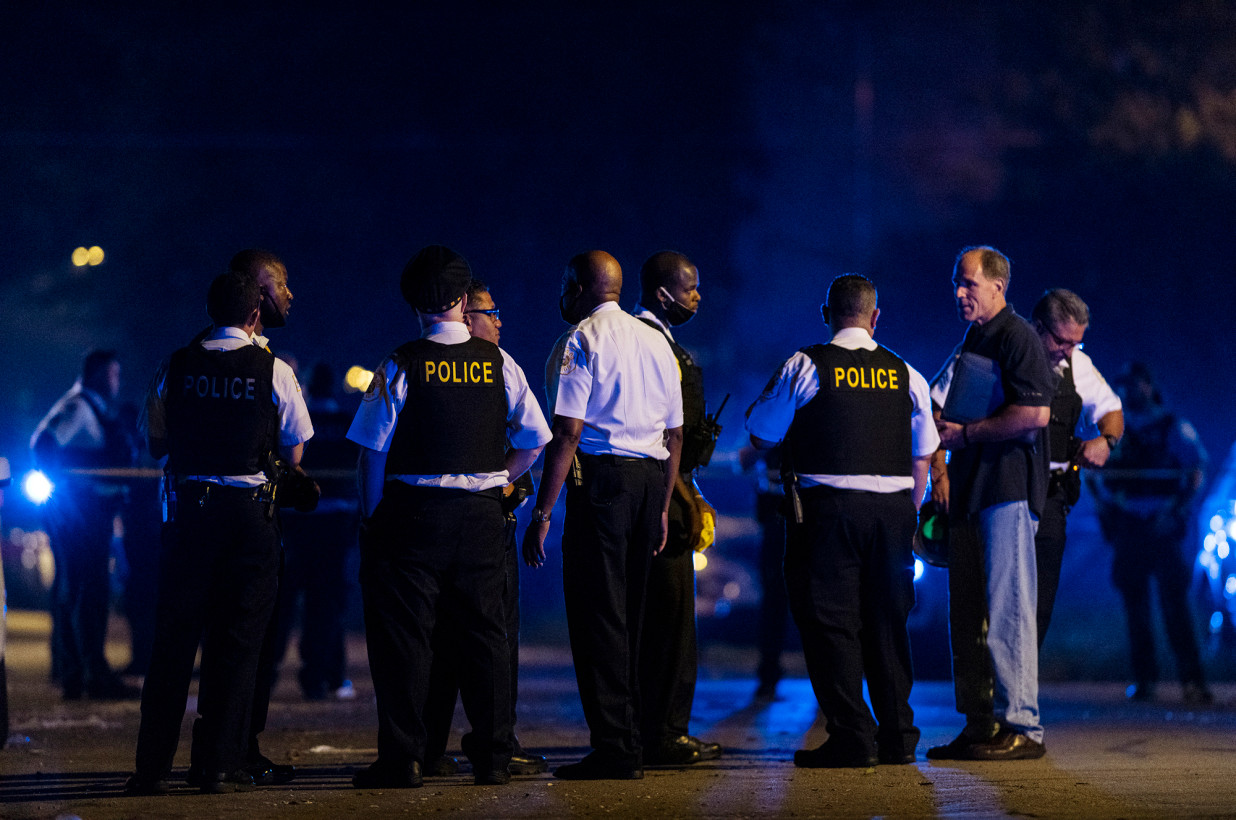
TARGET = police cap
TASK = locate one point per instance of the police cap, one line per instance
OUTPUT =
(435, 279)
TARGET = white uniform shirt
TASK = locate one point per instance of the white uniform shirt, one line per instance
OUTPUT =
(1098, 399)
(72, 421)
(621, 378)
(798, 382)
(378, 415)
(294, 425)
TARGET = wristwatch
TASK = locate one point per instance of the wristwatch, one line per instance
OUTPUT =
(539, 516)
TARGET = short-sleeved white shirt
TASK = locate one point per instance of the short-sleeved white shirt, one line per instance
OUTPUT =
(620, 377)
(378, 416)
(295, 426)
(798, 382)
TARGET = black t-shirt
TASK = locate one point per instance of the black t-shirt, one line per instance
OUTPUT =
(984, 475)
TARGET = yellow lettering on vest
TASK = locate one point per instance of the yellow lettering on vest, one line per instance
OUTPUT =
(892, 380)
(882, 379)
(851, 376)
(863, 378)
(488, 370)
(838, 376)
(429, 369)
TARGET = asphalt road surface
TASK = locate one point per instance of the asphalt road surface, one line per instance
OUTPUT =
(1107, 758)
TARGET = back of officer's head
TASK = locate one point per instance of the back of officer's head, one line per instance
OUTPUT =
(232, 298)
(435, 280)
(850, 296)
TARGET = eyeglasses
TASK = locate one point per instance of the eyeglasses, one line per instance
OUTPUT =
(492, 313)
(1060, 340)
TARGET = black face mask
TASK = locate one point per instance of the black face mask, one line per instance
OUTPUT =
(271, 315)
(676, 313)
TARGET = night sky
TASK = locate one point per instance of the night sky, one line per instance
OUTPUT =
(776, 144)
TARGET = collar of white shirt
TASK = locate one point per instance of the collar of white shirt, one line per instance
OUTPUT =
(853, 337)
(447, 333)
(642, 312)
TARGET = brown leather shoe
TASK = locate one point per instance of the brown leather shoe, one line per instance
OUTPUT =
(1008, 744)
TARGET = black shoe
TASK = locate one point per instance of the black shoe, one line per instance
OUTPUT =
(226, 782)
(824, 757)
(681, 751)
(766, 691)
(193, 777)
(1196, 694)
(443, 766)
(524, 762)
(1008, 744)
(140, 785)
(895, 759)
(382, 776)
(956, 749)
(112, 688)
(493, 777)
(266, 772)
(595, 767)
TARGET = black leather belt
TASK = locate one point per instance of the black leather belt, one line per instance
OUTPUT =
(610, 458)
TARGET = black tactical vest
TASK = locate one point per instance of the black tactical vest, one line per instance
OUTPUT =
(859, 421)
(454, 419)
(221, 413)
(695, 438)
(1066, 409)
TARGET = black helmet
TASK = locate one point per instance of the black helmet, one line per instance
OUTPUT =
(931, 537)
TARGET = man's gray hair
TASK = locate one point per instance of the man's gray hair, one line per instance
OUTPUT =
(1057, 306)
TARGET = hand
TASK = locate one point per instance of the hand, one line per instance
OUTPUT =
(951, 437)
(1094, 453)
(534, 543)
(939, 491)
(664, 532)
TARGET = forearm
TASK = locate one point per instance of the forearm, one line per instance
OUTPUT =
(673, 443)
(370, 478)
(519, 461)
(292, 455)
(1012, 422)
(559, 454)
(921, 469)
(1112, 424)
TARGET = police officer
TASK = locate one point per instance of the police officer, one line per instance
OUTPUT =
(218, 412)
(1083, 403)
(434, 429)
(1145, 499)
(482, 320)
(858, 440)
(83, 432)
(669, 297)
(271, 275)
(616, 402)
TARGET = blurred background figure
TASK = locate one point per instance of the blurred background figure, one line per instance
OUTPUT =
(83, 433)
(314, 587)
(774, 605)
(6, 478)
(1145, 503)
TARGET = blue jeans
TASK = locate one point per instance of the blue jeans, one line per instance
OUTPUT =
(993, 595)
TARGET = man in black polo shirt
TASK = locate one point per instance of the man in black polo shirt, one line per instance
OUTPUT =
(994, 488)
(858, 438)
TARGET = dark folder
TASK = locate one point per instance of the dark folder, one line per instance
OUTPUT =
(975, 392)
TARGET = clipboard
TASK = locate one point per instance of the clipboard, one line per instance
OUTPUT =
(975, 391)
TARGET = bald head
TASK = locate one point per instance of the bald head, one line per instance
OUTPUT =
(590, 279)
(598, 275)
